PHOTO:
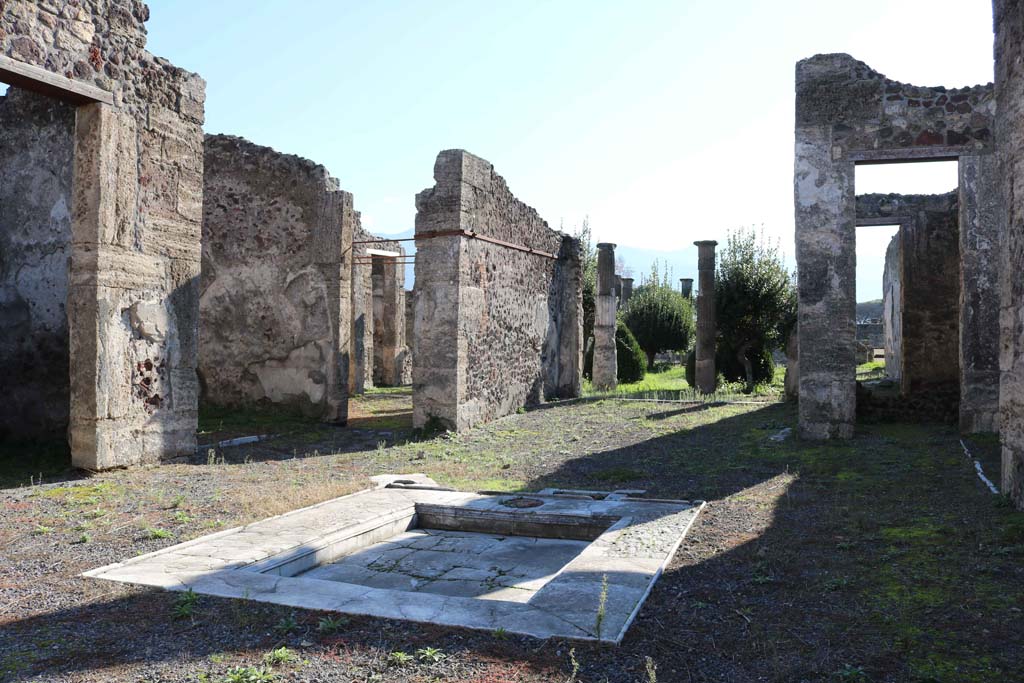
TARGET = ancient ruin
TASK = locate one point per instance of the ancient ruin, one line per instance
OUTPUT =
(848, 114)
(542, 565)
(1009, 50)
(379, 350)
(605, 371)
(627, 291)
(275, 306)
(126, 210)
(925, 340)
(892, 309)
(497, 300)
(707, 329)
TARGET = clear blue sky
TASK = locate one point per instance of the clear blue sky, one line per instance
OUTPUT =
(663, 121)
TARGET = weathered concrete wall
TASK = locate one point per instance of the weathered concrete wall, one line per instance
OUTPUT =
(847, 113)
(1009, 22)
(892, 309)
(929, 282)
(136, 213)
(496, 328)
(277, 230)
(37, 140)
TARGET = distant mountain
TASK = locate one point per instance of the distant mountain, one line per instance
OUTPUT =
(869, 309)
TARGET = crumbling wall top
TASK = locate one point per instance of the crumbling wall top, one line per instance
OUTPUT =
(101, 43)
(491, 208)
(872, 206)
(868, 111)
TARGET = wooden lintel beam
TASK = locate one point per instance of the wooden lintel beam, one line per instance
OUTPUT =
(44, 82)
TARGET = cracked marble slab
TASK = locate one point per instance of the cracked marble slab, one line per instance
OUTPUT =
(585, 554)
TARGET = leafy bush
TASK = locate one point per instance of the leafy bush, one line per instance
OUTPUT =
(628, 355)
(659, 317)
(755, 303)
(728, 365)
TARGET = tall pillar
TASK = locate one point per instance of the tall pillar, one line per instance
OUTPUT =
(706, 327)
(686, 287)
(627, 290)
(1009, 21)
(605, 370)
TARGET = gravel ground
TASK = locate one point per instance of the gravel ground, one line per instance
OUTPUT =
(880, 559)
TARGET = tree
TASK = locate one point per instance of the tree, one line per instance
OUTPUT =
(755, 299)
(660, 317)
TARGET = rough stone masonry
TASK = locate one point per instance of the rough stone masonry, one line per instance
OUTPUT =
(36, 154)
(135, 204)
(275, 303)
(1009, 50)
(927, 349)
(846, 114)
(498, 300)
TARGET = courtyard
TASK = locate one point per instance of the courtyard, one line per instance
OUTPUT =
(879, 558)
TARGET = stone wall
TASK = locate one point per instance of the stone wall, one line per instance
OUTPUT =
(892, 309)
(929, 282)
(1009, 22)
(872, 334)
(982, 225)
(378, 348)
(496, 328)
(136, 208)
(275, 316)
(360, 375)
(37, 140)
(846, 113)
(388, 279)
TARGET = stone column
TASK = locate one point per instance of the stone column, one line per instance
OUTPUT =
(605, 366)
(627, 290)
(706, 327)
(686, 287)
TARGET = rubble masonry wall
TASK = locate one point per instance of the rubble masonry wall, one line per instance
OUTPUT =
(275, 281)
(136, 208)
(847, 113)
(929, 283)
(495, 328)
(37, 140)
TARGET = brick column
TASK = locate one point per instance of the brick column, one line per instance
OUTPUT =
(686, 287)
(605, 365)
(706, 326)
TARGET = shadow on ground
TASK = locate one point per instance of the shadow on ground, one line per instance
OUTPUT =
(877, 559)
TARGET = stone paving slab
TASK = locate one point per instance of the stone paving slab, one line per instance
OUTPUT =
(363, 554)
